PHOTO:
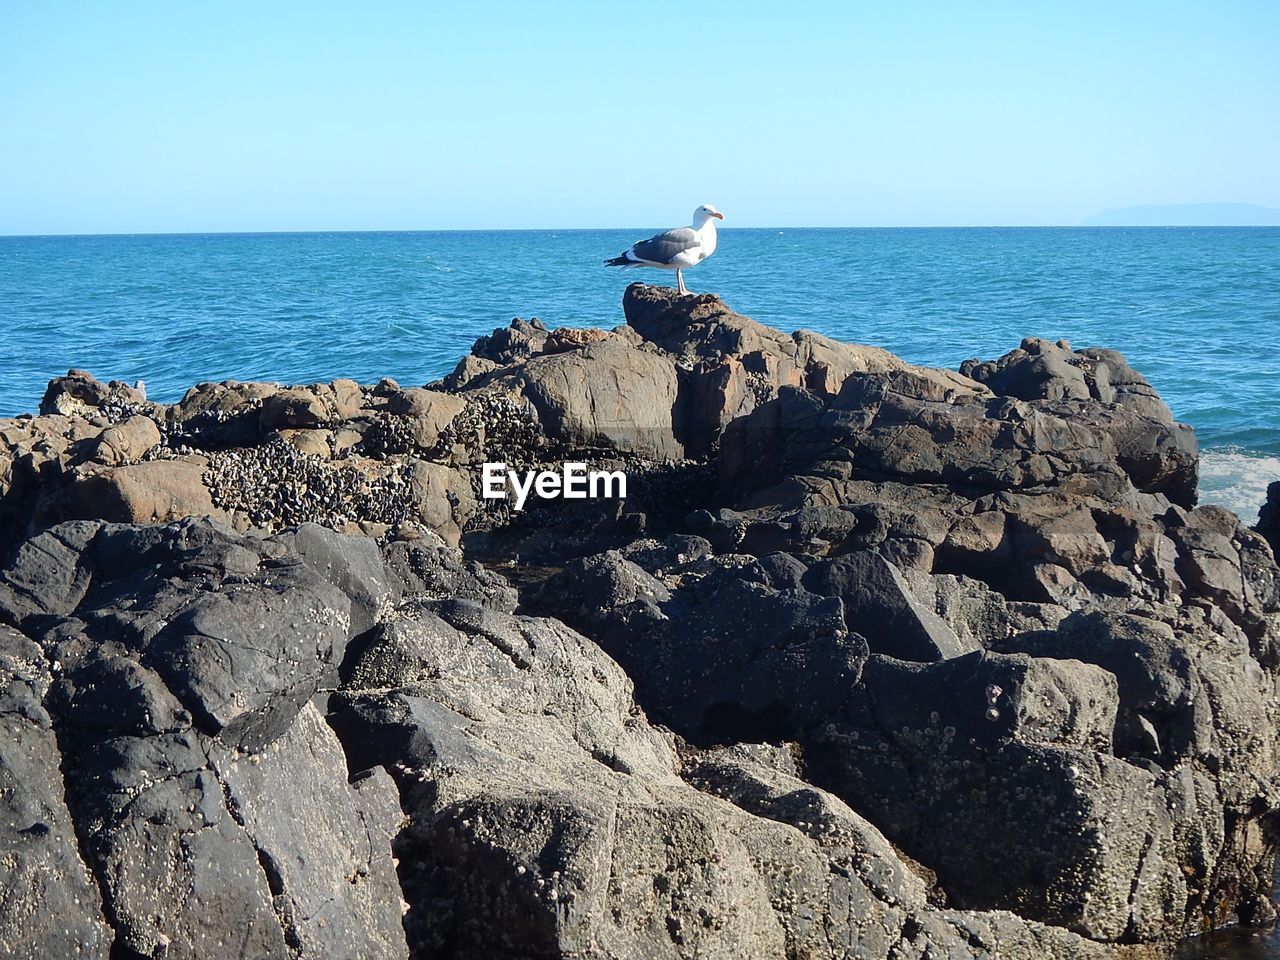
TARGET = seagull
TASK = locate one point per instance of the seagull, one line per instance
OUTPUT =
(675, 249)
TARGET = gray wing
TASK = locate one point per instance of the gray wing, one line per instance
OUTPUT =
(665, 247)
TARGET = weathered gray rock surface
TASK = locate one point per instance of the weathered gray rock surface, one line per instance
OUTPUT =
(49, 903)
(208, 798)
(874, 661)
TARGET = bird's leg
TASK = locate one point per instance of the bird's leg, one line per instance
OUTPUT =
(680, 280)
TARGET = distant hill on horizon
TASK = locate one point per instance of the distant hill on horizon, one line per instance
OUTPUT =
(1188, 215)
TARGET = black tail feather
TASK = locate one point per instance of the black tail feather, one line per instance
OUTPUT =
(617, 262)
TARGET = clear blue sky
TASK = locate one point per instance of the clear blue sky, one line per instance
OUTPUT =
(139, 117)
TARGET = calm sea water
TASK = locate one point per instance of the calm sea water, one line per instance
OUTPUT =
(1195, 309)
(1232, 945)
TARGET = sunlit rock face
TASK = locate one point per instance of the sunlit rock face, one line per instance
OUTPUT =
(872, 660)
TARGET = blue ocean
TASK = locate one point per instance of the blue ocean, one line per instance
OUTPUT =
(1196, 309)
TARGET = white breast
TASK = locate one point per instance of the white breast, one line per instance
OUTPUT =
(705, 248)
(709, 240)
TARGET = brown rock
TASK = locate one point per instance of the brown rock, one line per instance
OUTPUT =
(573, 338)
(295, 407)
(429, 412)
(443, 497)
(704, 328)
(979, 536)
(348, 399)
(221, 414)
(312, 442)
(127, 441)
(149, 492)
(1069, 539)
(607, 395)
(345, 439)
(80, 394)
(718, 392)
(469, 369)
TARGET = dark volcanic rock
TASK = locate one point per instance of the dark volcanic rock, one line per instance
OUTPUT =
(428, 567)
(1269, 517)
(879, 605)
(324, 845)
(703, 328)
(1189, 693)
(193, 849)
(239, 631)
(1044, 503)
(505, 345)
(352, 565)
(209, 800)
(735, 650)
(49, 903)
(955, 759)
(1157, 453)
(918, 427)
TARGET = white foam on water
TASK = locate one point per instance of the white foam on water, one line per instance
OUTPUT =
(1237, 480)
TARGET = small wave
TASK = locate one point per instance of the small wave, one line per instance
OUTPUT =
(1237, 479)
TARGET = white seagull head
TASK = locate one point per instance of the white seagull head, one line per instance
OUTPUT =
(704, 213)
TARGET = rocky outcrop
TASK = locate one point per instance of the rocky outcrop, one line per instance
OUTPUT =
(873, 661)
(1269, 516)
(478, 783)
(547, 818)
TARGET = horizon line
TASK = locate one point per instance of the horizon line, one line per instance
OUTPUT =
(315, 232)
